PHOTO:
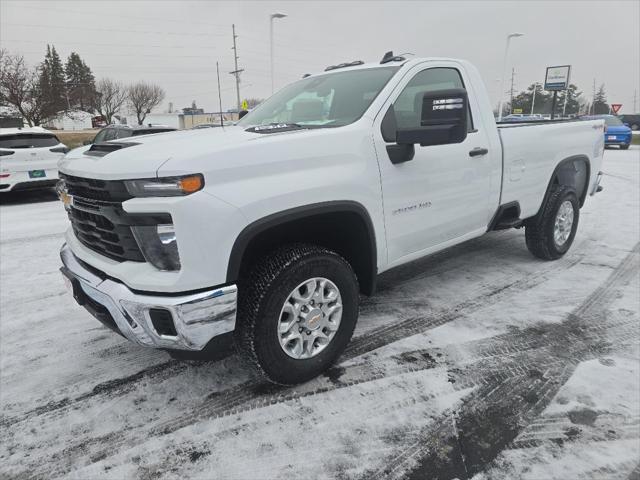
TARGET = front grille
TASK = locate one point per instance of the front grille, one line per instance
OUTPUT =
(100, 234)
(93, 189)
(99, 221)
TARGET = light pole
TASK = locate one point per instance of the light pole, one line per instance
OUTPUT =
(533, 101)
(504, 71)
(271, 18)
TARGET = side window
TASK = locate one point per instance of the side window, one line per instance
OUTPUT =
(124, 133)
(100, 136)
(408, 105)
(110, 134)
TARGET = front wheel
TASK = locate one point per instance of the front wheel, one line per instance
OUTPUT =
(296, 314)
(550, 233)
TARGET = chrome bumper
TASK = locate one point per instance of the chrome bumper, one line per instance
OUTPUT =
(197, 317)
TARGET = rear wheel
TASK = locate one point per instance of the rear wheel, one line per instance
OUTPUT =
(549, 234)
(296, 314)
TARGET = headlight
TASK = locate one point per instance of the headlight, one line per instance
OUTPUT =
(159, 246)
(165, 187)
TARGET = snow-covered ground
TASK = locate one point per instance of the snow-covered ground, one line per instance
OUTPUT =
(478, 362)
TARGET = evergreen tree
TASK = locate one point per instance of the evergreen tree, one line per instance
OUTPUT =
(80, 83)
(544, 100)
(600, 104)
(573, 101)
(525, 100)
(52, 83)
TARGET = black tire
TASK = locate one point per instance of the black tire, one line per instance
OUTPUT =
(262, 295)
(539, 229)
(635, 126)
(624, 147)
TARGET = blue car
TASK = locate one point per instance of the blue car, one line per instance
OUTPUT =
(615, 132)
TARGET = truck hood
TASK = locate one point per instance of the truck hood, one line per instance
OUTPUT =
(142, 157)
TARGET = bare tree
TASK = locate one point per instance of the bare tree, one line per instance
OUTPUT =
(110, 96)
(143, 97)
(20, 87)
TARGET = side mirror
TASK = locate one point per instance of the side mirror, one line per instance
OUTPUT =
(443, 119)
(242, 113)
(87, 142)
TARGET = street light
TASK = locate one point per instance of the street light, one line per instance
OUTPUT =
(533, 101)
(504, 70)
(271, 18)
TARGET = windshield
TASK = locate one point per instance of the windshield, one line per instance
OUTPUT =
(28, 140)
(612, 121)
(331, 100)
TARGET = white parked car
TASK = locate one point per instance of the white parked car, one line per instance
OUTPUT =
(267, 231)
(29, 158)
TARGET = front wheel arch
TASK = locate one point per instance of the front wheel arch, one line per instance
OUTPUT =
(353, 237)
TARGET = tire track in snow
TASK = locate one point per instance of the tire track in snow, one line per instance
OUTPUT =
(584, 425)
(100, 447)
(635, 473)
(360, 345)
(466, 440)
(255, 394)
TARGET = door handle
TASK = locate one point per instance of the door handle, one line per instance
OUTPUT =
(476, 152)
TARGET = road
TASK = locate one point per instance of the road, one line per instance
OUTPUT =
(478, 362)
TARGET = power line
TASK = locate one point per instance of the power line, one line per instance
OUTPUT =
(102, 15)
(163, 55)
(94, 29)
(247, 52)
(109, 45)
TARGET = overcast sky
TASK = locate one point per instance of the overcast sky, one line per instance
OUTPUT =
(177, 43)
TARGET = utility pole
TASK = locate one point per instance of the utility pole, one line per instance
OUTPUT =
(635, 96)
(513, 74)
(564, 107)
(593, 102)
(237, 71)
(219, 94)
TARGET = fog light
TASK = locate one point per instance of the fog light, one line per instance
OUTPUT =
(158, 244)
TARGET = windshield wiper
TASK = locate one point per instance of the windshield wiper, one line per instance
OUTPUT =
(286, 126)
(275, 127)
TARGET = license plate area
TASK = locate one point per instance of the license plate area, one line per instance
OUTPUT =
(37, 174)
(611, 137)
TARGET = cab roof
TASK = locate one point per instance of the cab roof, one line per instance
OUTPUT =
(359, 65)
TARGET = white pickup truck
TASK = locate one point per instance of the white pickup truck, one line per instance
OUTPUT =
(266, 232)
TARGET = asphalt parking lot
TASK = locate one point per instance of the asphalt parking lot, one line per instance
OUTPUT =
(478, 362)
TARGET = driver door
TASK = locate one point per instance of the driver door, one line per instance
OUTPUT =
(440, 196)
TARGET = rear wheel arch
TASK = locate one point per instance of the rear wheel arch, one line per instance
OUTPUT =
(342, 226)
(575, 172)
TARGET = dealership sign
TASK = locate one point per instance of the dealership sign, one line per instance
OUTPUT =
(557, 78)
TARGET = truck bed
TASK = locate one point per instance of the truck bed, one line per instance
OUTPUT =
(532, 150)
